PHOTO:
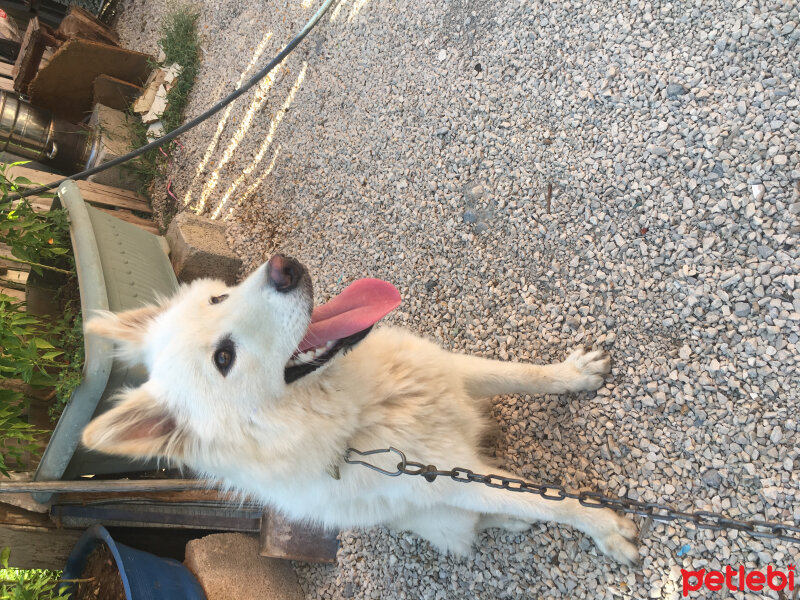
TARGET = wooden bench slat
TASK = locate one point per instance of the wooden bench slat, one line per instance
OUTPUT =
(93, 193)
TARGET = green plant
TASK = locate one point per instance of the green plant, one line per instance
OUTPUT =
(69, 331)
(26, 357)
(28, 584)
(34, 238)
(181, 45)
(34, 353)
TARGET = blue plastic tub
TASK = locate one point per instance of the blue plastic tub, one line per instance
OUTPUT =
(144, 576)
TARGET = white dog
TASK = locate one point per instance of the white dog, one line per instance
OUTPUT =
(247, 387)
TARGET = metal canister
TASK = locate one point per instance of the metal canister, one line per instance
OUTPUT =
(26, 130)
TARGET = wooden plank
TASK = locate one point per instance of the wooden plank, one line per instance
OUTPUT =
(115, 93)
(223, 517)
(18, 294)
(35, 540)
(8, 265)
(6, 69)
(93, 193)
(64, 84)
(166, 496)
(81, 23)
(29, 57)
(281, 538)
(38, 548)
(14, 279)
(106, 485)
(7, 85)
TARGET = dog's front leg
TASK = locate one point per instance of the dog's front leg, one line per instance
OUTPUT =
(612, 533)
(580, 371)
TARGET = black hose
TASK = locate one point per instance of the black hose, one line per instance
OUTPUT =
(197, 120)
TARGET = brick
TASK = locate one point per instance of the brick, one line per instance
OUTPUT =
(198, 248)
(228, 565)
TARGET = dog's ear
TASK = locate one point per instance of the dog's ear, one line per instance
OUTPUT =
(127, 328)
(137, 426)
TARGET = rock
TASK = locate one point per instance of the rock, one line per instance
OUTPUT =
(712, 478)
(198, 248)
(741, 309)
(674, 90)
(657, 150)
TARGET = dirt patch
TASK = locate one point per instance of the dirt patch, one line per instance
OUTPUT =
(104, 581)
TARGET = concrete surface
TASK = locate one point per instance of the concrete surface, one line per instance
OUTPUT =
(115, 141)
(228, 566)
(198, 249)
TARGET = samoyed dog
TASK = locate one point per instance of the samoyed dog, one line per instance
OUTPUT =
(253, 386)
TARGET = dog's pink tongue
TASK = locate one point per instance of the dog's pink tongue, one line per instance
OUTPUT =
(360, 305)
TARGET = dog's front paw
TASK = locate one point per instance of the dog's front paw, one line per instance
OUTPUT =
(586, 370)
(615, 536)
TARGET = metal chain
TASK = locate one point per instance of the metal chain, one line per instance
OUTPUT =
(554, 491)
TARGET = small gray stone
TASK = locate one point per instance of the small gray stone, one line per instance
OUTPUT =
(675, 90)
(712, 478)
(470, 216)
(741, 309)
(765, 251)
(777, 435)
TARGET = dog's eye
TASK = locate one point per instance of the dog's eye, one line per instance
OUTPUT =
(217, 299)
(224, 356)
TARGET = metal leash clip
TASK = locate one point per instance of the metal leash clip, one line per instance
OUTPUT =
(348, 458)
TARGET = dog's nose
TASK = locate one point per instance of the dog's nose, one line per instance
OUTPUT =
(284, 273)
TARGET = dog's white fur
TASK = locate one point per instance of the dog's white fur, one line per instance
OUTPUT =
(280, 443)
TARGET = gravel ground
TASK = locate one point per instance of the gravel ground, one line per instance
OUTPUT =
(533, 176)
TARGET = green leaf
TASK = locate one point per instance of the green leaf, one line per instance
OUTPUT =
(4, 555)
(22, 181)
(42, 344)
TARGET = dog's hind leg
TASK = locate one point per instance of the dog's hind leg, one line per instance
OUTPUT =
(449, 529)
(611, 532)
(507, 522)
(580, 371)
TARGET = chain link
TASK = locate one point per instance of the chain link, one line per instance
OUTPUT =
(553, 491)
